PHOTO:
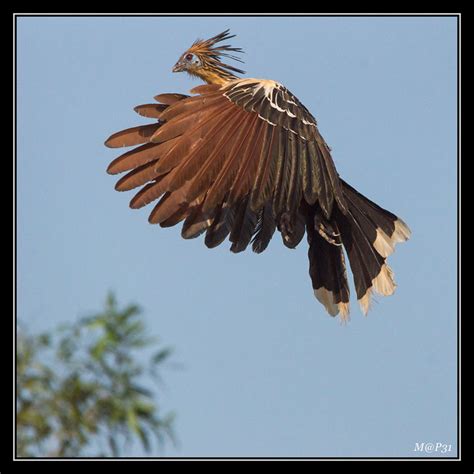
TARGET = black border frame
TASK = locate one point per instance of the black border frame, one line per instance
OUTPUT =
(458, 456)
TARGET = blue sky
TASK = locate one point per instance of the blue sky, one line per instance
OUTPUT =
(266, 371)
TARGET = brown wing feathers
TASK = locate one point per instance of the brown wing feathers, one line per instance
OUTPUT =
(196, 154)
(150, 110)
(244, 159)
(227, 174)
(132, 136)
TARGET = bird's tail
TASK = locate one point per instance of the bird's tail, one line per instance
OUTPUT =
(369, 234)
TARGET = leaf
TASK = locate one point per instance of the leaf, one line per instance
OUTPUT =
(113, 445)
(111, 301)
(144, 439)
(145, 411)
(44, 339)
(98, 349)
(161, 355)
(132, 421)
(94, 322)
(141, 390)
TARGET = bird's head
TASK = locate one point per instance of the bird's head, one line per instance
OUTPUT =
(203, 59)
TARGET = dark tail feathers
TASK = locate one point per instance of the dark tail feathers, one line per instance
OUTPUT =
(369, 235)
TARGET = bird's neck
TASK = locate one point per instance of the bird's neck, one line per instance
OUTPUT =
(214, 77)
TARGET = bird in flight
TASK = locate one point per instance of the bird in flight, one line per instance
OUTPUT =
(242, 158)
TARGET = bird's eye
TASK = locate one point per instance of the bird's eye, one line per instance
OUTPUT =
(189, 56)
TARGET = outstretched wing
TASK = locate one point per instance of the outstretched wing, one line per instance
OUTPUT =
(239, 159)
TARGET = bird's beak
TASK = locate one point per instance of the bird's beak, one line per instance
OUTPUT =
(178, 67)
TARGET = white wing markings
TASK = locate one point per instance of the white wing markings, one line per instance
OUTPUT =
(254, 85)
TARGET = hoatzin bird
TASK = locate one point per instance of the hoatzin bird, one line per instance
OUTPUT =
(243, 158)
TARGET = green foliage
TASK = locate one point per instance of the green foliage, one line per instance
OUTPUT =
(80, 389)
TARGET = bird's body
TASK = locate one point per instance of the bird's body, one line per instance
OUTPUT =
(243, 158)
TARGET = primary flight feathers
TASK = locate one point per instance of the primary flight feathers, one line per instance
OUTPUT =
(242, 158)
